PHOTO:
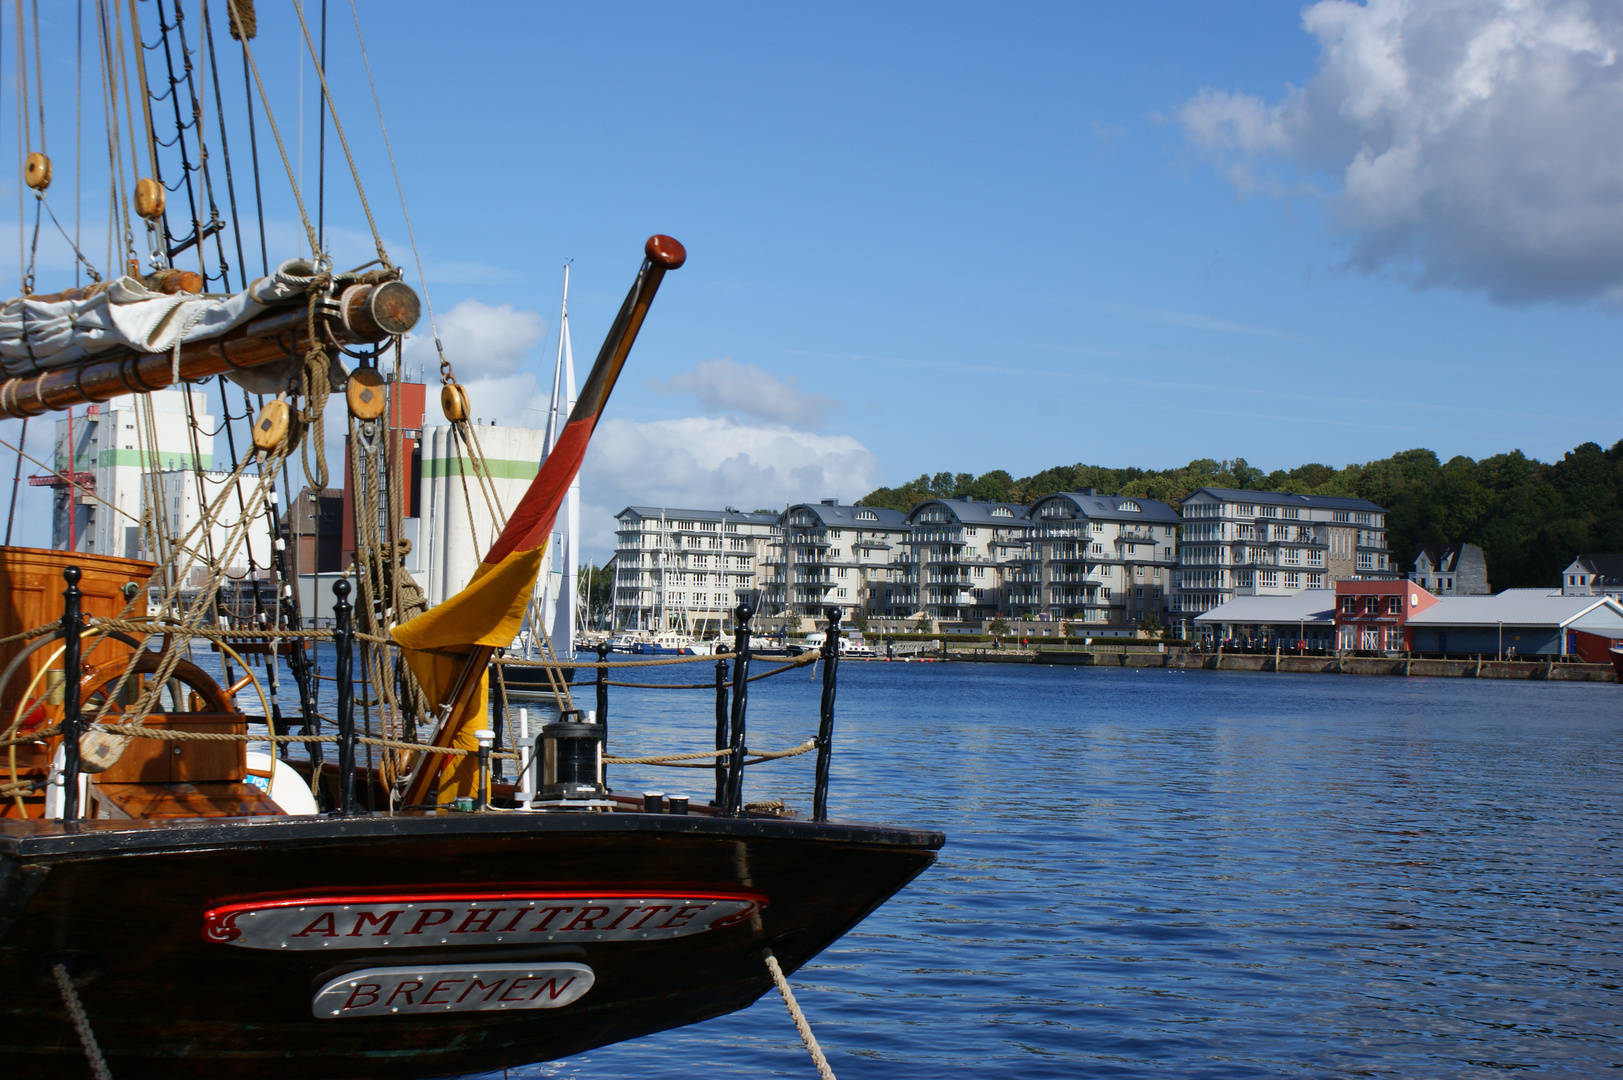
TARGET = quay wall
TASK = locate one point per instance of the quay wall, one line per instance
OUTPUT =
(1304, 665)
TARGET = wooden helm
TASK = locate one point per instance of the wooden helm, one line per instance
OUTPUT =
(37, 173)
(149, 198)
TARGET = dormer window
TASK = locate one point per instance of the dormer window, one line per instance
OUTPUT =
(1127, 506)
(1003, 511)
(867, 515)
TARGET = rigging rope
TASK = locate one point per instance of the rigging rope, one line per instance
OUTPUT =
(338, 127)
(81, 1022)
(287, 165)
(806, 1036)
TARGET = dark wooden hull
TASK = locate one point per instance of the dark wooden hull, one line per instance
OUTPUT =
(128, 900)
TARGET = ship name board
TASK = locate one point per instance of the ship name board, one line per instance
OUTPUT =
(504, 918)
(460, 988)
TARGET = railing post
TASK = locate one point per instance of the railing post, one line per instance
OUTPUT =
(602, 711)
(721, 733)
(72, 626)
(734, 802)
(825, 725)
(344, 646)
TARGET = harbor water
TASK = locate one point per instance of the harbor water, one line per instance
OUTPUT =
(1190, 874)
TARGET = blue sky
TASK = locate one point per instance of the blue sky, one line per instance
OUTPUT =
(969, 237)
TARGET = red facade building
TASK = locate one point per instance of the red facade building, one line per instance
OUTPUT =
(1371, 616)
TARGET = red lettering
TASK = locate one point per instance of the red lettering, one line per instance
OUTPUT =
(428, 998)
(383, 922)
(547, 913)
(648, 913)
(423, 920)
(586, 917)
(324, 921)
(482, 917)
(620, 918)
(683, 916)
(371, 990)
(488, 988)
(414, 984)
(516, 984)
(513, 922)
(552, 985)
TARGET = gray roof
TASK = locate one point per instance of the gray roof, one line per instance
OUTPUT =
(1608, 567)
(1288, 498)
(977, 512)
(847, 517)
(1105, 507)
(680, 514)
(1311, 606)
(1513, 607)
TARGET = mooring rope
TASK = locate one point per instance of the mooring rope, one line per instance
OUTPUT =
(81, 1022)
(799, 1018)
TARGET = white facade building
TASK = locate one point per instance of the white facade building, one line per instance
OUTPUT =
(1264, 543)
(458, 523)
(854, 558)
(110, 454)
(683, 569)
(1102, 559)
(962, 553)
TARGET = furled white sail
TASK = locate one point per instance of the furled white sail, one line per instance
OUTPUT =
(556, 585)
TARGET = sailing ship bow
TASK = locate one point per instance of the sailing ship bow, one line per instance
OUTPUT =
(449, 646)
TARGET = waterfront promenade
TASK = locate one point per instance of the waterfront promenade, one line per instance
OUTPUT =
(1151, 656)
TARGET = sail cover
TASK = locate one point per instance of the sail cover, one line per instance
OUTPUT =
(41, 333)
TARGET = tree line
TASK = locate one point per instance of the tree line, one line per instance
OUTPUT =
(1530, 517)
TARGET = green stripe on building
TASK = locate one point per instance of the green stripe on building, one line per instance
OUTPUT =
(501, 469)
(141, 459)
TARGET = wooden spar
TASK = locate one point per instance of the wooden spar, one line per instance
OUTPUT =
(371, 313)
(661, 254)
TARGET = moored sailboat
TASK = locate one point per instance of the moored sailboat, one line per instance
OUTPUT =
(162, 912)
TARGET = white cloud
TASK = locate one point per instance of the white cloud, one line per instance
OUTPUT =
(746, 390)
(481, 340)
(709, 463)
(1475, 143)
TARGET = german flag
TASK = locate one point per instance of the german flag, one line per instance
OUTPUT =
(448, 647)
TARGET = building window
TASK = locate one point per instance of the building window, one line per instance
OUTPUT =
(1270, 579)
(1372, 605)
(1293, 581)
(1394, 605)
(1315, 581)
(1349, 605)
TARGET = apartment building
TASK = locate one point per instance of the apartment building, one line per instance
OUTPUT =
(1104, 560)
(965, 556)
(678, 568)
(1259, 543)
(854, 558)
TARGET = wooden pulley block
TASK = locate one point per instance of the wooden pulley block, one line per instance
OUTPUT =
(149, 198)
(272, 425)
(365, 393)
(454, 402)
(37, 171)
(100, 750)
